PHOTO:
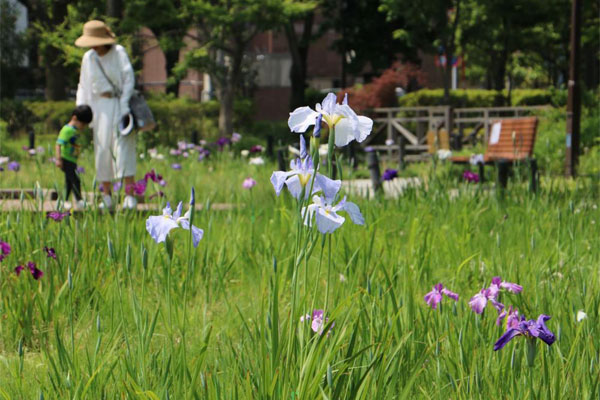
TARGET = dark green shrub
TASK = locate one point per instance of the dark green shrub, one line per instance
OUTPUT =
(176, 118)
(465, 98)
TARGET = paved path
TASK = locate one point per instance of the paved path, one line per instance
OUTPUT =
(393, 188)
(14, 200)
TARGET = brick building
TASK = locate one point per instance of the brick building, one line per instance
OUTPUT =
(272, 62)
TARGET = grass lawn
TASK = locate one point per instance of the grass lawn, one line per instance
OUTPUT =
(117, 315)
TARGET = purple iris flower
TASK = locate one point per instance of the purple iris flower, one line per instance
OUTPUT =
(176, 166)
(175, 152)
(35, 272)
(317, 321)
(326, 214)
(18, 269)
(480, 300)
(530, 329)
(57, 215)
(512, 317)
(248, 183)
(235, 137)
(511, 287)
(80, 170)
(222, 141)
(159, 226)
(139, 187)
(471, 177)
(4, 250)
(117, 186)
(390, 174)
(13, 166)
(153, 176)
(257, 149)
(300, 177)
(435, 296)
(50, 253)
(369, 149)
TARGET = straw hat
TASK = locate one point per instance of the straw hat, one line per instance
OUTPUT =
(95, 33)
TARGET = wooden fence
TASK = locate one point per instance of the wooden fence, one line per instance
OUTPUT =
(406, 128)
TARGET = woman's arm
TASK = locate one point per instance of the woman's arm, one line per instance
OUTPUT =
(128, 79)
(83, 92)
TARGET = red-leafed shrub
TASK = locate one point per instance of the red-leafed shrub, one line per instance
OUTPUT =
(381, 92)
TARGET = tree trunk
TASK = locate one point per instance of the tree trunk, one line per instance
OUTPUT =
(114, 8)
(299, 53)
(226, 110)
(55, 71)
(171, 58)
(55, 76)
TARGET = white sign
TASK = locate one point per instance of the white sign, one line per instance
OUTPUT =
(495, 133)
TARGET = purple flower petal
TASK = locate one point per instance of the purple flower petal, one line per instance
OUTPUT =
(389, 174)
(50, 253)
(505, 338)
(511, 287)
(543, 332)
(452, 295)
(478, 302)
(433, 298)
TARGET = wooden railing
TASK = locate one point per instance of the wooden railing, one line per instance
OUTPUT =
(406, 127)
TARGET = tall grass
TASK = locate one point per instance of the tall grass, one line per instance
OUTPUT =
(119, 316)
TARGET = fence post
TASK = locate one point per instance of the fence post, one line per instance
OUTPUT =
(481, 166)
(281, 160)
(373, 164)
(270, 143)
(401, 151)
(352, 155)
(535, 177)
(449, 120)
(502, 166)
(486, 126)
(31, 134)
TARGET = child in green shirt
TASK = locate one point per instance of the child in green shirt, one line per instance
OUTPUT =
(67, 151)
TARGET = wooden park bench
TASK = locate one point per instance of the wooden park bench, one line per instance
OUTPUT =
(510, 140)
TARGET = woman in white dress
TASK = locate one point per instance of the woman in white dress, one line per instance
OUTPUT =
(106, 83)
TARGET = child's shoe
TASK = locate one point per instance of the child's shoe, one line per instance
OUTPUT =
(130, 203)
(80, 205)
(67, 205)
(106, 203)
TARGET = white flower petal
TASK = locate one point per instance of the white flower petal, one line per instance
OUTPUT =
(365, 125)
(354, 212)
(328, 222)
(301, 118)
(344, 132)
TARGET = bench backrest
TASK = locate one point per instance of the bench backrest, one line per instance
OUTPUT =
(515, 140)
(437, 140)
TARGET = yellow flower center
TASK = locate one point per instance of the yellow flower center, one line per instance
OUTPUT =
(332, 119)
(304, 178)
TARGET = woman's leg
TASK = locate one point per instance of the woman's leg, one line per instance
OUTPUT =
(107, 188)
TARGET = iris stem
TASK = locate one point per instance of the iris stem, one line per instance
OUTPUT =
(328, 270)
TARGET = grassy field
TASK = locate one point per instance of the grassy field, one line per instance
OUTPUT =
(117, 315)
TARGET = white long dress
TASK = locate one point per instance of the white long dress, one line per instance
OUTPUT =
(115, 154)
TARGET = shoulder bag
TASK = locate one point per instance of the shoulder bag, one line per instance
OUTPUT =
(142, 115)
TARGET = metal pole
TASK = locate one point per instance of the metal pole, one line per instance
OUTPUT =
(373, 164)
(574, 99)
(281, 160)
